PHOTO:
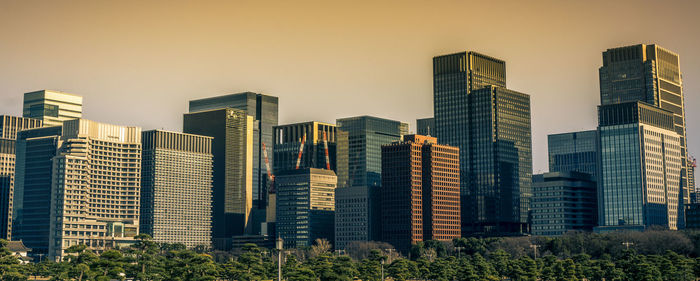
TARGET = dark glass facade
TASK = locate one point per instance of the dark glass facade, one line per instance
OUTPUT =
(288, 140)
(575, 151)
(562, 202)
(425, 126)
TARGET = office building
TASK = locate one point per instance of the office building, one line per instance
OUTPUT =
(640, 167)
(562, 202)
(232, 181)
(95, 187)
(357, 215)
(9, 126)
(176, 188)
(419, 192)
(360, 162)
(574, 151)
(35, 149)
(52, 107)
(263, 109)
(651, 74)
(491, 127)
(425, 126)
(316, 137)
(305, 206)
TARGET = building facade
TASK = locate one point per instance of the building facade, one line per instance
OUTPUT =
(9, 126)
(52, 107)
(491, 127)
(562, 202)
(305, 206)
(176, 188)
(419, 192)
(232, 180)
(651, 74)
(640, 167)
(357, 215)
(316, 137)
(425, 126)
(95, 187)
(360, 162)
(574, 151)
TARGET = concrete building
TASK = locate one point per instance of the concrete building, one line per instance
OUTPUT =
(562, 202)
(176, 188)
(574, 151)
(357, 215)
(232, 131)
(305, 206)
(420, 192)
(491, 127)
(651, 74)
(288, 139)
(52, 107)
(425, 126)
(95, 187)
(9, 126)
(640, 167)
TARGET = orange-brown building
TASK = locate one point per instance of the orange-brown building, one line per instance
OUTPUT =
(420, 192)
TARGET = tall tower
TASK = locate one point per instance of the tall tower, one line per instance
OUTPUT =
(52, 107)
(176, 188)
(316, 136)
(232, 182)
(651, 74)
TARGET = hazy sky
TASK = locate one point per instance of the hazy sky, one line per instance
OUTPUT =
(139, 62)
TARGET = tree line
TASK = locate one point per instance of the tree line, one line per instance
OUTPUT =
(651, 255)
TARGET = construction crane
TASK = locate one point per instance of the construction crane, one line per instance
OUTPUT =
(301, 150)
(270, 175)
(325, 146)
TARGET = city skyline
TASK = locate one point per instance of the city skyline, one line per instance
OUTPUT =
(340, 63)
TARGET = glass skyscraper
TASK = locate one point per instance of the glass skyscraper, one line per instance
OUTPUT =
(640, 167)
(574, 151)
(491, 127)
(288, 139)
(52, 107)
(425, 126)
(651, 74)
(562, 202)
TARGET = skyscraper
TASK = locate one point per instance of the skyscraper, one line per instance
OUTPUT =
(33, 178)
(176, 188)
(651, 74)
(9, 126)
(419, 192)
(562, 202)
(491, 127)
(425, 126)
(357, 215)
(640, 167)
(232, 181)
(360, 164)
(575, 151)
(305, 206)
(263, 109)
(315, 135)
(95, 187)
(52, 107)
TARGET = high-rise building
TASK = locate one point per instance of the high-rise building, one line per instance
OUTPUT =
(562, 202)
(316, 137)
(419, 192)
(491, 127)
(574, 151)
(263, 109)
(9, 126)
(640, 167)
(651, 74)
(35, 150)
(305, 206)
(52, 107)
(360, 162)
(357, 215)
(692, 185)
(425, 126)
(176, 188)
(95, 187)
(232, 181)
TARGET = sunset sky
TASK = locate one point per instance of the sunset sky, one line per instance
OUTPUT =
(139, 62)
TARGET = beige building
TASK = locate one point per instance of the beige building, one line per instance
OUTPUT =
(52, 107)
(95, 189)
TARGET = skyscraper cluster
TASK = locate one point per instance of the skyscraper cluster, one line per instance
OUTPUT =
(235, 175)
